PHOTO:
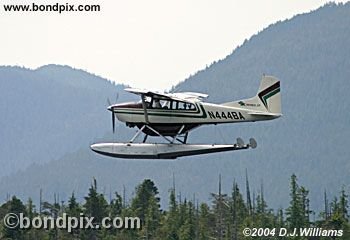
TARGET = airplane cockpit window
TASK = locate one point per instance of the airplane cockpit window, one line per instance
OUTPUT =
(156, 103)
(191, 106)
(185, 106)
(171, 104)
(182, 106)
(166, 104)
(160, 104)
(147, 102)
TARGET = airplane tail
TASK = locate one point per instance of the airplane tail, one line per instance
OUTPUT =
(268, 98)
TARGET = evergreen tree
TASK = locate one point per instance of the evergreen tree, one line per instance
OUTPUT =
(30, 208)
(297, 212)
(239, 212)
(95, 206)
(74, 208)
(249, 202)
(305, 206)
(205, 222)
(152, 219)
(343, 204)
(336, 220)
(172, 219)
(187, 229)
(144, 192)
(116, 205)
(14, 206)
(221, 212)
(145, 205)
(279, 219)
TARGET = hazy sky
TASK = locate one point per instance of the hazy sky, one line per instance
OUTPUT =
(146, 43)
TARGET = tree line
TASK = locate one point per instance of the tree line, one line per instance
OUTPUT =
(224, 218)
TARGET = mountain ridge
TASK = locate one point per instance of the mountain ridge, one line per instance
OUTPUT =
(48, 107)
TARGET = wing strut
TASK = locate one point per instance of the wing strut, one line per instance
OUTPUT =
(178, 133)
(144, 107)
(137, 134)
(185, 138)
(145, 138)
(152, 129)
(156, 132)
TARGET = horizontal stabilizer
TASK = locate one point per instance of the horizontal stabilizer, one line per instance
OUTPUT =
(265, 114)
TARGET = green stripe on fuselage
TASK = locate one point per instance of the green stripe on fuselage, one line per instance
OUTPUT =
(169, 113)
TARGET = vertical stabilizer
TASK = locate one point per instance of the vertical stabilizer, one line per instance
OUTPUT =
(269, 94)
(268, 98)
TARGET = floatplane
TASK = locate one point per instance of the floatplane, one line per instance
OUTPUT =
(172, 116)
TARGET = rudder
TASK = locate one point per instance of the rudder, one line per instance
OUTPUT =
(269, 94)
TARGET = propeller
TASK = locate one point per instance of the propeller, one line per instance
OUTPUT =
(111, 108)
(113, 120)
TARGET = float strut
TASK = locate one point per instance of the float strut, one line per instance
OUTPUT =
(137, 134)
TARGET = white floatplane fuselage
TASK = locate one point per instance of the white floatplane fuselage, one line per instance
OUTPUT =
(175, 114)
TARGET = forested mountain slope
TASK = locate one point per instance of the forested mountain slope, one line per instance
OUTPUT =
(309, 53)
(48, 112)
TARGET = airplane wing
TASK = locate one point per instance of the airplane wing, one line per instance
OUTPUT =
(182, 96)
(147, 93)
(191, 95)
